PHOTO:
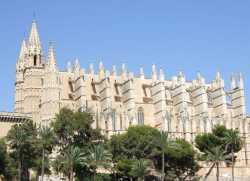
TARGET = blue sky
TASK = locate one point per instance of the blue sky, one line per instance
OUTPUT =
(190, 36)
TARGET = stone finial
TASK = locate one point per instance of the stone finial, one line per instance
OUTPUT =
(218, 76)
(101, 66)
(154, 73)
(174, 81)
(219, 82)
(124, 69)
(232, 82)
(124, 72)
(113, 70)
(69, 66)
(77, 64)
(51, 58)
(241, 81)
(141, 73)
(23, 51)
(181, 77)
(200, 79)
(91, 69)
(161, 75)
(101, 70)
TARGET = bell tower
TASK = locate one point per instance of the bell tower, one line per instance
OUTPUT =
(33, 75)
(19, 84)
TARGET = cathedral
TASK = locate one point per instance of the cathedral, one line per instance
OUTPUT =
(118, 98)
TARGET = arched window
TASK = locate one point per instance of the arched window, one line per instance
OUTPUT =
(35, 60)
(140, 116)
(113, 118)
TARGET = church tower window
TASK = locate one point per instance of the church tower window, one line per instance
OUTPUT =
(35, 60)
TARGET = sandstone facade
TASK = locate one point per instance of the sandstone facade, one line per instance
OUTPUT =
(119, 99)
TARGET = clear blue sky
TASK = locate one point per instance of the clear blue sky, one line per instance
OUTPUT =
(189, 35)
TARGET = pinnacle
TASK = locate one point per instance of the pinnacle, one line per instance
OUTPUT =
(51, 57)
(23, 50)
(34, 36)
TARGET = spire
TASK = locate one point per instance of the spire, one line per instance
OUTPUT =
(142, 73)
(113, 70)
(69, 66)
(34, 39)
(154, 73)
(218, 76)
(91, 69)
(77, 66)
(161, 75)
(241, 81)
(200, 79)
(23, 51)
(233, 82)
(181, 77)
(51, 58)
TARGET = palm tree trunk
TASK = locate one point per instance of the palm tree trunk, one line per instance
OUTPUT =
(232, 152)
(217, 172)
(163, 166)
(209, 171)
(43, 154)
(71, 174)
(19, 167)
(94, 176)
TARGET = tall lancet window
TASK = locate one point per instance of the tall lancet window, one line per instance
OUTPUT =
(113, 118)
(140, 116)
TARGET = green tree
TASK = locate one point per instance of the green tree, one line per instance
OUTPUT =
(75, 128)
(216, 155)
(228, 140)
(140, 168)
(6, 171)
(22, 140)
(70, 158)
(233, 145)
(138, 142)
(124, 167)
(179, 160)
(163, 142)
(97, 157)
(46, 139)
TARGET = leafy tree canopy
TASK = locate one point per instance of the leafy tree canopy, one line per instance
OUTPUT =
(75, 128)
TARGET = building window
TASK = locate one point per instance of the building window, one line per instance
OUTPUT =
(117, 91)
(140, 116)
(113, 118)
(35, 60)
(71, 87)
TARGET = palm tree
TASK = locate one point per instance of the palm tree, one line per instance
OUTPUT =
(46, 139)
(164, 142)
(17, 138)
(215, 156)
(233, 143)
(140, 168)
(71, 157)
(97, 157)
